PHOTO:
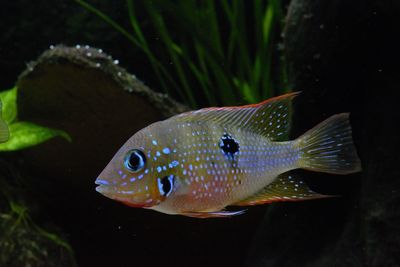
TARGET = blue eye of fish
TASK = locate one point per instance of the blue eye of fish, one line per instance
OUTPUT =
(135, 160)
(165, 185)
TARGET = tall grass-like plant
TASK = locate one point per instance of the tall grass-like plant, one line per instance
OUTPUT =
(225, 52)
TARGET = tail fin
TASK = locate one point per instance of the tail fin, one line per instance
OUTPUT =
(329, 147)
(4, 134)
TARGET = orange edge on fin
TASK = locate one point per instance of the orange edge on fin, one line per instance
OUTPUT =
(287, 199)
(288, 95)
(276, 98)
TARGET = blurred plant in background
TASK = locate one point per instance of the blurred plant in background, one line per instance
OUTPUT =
(23, 134)
(22, 241)
(225, 52)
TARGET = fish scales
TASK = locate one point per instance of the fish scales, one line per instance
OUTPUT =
(210, 175)
(198, 163)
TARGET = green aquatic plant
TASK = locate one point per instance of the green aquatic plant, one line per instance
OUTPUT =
(22, 241)
(23, 134)
(223, 51)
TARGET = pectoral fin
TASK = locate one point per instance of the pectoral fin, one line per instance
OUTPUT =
(216, 214)
(286, 187)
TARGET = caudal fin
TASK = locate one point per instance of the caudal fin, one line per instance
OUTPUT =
(329, 147)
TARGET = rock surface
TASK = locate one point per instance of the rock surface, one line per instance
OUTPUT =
(344, 57)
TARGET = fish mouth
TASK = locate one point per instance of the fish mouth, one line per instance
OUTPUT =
(126, 197)
(101, 189)
(101, 182)
(103, 186)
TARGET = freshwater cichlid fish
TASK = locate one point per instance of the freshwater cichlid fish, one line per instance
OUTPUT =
(199, 162)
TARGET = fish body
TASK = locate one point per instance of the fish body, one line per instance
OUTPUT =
(199, 162)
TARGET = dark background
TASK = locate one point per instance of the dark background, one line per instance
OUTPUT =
(343, 56)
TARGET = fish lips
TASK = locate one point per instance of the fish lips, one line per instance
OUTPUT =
(126, 197)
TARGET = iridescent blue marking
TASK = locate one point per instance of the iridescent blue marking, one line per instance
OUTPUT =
(103, 182)
(159, 169)
(166, 150)
(154, 142)
(174, 163)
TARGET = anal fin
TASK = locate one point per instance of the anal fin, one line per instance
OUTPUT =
(214, 214)
(286, 187)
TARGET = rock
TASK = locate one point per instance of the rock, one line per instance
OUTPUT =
(84, 92)
(343, 56)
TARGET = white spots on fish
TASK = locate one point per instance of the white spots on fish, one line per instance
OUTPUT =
(173, 164)
(126, 192)
(154, 142)
(159, 169)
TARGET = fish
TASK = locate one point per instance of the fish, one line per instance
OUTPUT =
(4, 132)
(214, 162)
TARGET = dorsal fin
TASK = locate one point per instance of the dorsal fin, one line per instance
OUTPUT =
(271, 118)
(286, 187)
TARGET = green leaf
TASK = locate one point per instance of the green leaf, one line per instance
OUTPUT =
(26, 134)
(9, 101)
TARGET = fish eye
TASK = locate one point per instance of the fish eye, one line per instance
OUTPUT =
(165, 185)
(134, 160)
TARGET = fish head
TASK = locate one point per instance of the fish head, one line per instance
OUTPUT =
(141, 173)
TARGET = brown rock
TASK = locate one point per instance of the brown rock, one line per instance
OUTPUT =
(84, 92)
